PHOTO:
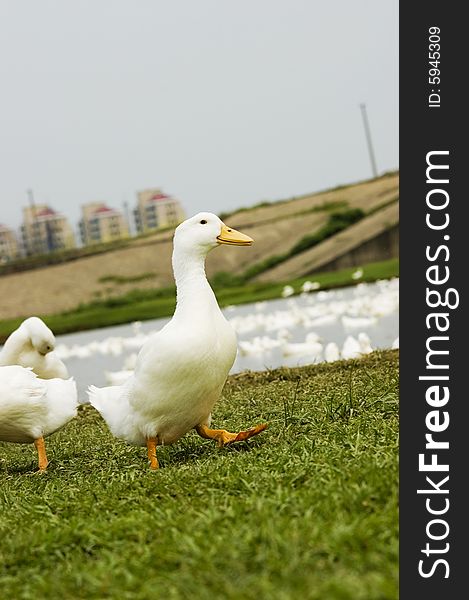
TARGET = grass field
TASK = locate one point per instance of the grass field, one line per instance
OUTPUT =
(308, 509)
(152, 304)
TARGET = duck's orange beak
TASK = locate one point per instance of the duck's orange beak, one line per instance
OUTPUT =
(233, 238)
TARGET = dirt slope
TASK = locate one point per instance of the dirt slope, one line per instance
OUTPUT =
(315, 258)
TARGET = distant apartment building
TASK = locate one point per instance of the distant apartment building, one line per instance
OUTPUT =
(44, 230)
(156, 210)
(101, 224)
(8, 244)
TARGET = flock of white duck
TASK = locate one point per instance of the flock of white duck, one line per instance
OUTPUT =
(362, 309)
(286, 332)
(172, 383)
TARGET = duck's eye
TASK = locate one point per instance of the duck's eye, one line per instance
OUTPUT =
(203, 222)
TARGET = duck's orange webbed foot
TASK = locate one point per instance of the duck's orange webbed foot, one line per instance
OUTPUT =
(151, 447)
(225, 437)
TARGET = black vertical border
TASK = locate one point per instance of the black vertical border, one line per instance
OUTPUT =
(423, 129)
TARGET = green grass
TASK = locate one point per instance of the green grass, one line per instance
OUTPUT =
(152, 304)
(118, 279)
(308, 509)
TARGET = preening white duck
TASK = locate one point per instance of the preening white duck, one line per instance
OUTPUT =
(180, 370)
(33, 408)
(32, 345)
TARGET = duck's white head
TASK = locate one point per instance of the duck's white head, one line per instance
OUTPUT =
(205, 231)
(42, 338)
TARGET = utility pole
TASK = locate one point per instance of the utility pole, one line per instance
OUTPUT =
(31, 199)
(368, 140)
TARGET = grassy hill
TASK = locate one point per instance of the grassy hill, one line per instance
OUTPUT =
(145, 263)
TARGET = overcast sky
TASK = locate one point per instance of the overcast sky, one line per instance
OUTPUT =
(222, 103)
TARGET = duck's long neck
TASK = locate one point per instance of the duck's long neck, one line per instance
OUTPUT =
(194, 294)
(14, 346)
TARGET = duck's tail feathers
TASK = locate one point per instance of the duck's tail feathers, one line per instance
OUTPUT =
(100, 397)
(111, 403)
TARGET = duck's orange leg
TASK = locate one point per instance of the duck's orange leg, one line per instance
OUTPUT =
(225, 437)
(41, 452)
(151, 447)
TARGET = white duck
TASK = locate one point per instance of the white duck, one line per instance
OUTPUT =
(32, 345)
(311, 346)
(365, 343)
(180, 370)
(331, 352)
(33, 408)
(351, 348)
